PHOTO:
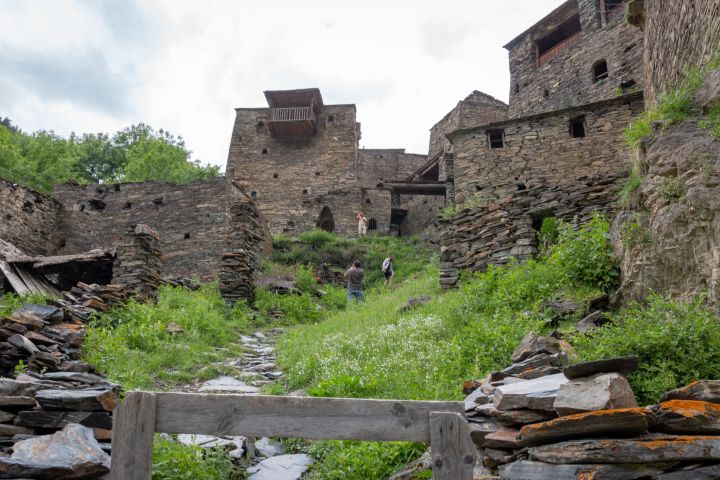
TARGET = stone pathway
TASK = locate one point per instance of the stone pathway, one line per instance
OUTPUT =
(256, 367)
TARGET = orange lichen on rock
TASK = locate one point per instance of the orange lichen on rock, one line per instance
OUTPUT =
(690, 407)
(579, 417)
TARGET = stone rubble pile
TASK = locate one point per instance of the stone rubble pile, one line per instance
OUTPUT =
(543, 420)
(137, 266)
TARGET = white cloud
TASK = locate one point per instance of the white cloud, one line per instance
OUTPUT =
(184, 65)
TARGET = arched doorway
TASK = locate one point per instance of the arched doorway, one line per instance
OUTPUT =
(326, 221)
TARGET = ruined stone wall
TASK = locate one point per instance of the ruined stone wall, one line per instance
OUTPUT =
(476, 109)
(422, 216)
(28, 219)
(376, 166)
(288, 174)
(376, 205)
(567, 80)
(539, 150)
(678, 35)
(541, 172)
(191, 220)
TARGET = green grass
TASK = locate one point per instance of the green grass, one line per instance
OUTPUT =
(630, 186)
(174, 461)
(10, 302)
(131, 345)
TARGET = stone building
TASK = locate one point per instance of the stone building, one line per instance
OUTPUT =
(193, 222)
(300, 161)
(576, 78)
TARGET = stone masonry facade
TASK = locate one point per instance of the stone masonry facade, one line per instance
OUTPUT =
(313, 174)
(28, 219)
(564, 76)
(576, 80)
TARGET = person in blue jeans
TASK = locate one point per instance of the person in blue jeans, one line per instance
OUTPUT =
(355, 276)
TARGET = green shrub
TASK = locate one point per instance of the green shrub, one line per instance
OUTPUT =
(630, 185)
(633, 233)
(10, 302)
(317, 237)
(132, 346)
(639, 128)
(676, 342)
(711, 122)
(305, 279)
(672, 189)
(174, 461)
(296, 309)
(360, 460)
(549, 232)
(584, 256)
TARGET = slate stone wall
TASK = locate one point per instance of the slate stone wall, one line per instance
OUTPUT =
(287, 175)
(567, 80)
(191, 220)
(678, 35)
(542, 171)
(28, 219)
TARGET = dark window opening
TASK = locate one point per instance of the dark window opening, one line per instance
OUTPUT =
(264, 151)
(63, 242)
(381, 156)
(379, 185)
(317, 174)
(325, 220)
(521, 186)
(92, 205)
(186, 236)
(372, 224)
(275, 175)
(600, 71)
(546, 94)
(577, 127)
(260, 125)
(253, 194)
(516, 89)
(305, 192)
(99, 191)
(367, 200)
(331, 118)
(8, 217)
(127, 206)
(539, 217)
(116, 187)
(625, 86)
(560, 38)
(28, 207)
(158, 201)
(496, 138)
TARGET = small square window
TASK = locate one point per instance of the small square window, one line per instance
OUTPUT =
(496, 138)
(577, 127)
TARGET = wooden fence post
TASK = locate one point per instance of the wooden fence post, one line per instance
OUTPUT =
(453, 452)
(132, 442)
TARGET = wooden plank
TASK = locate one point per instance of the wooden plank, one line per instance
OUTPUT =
(28, 280)
(16, 282)
(132, 439)
(317, 418)
(453, 452)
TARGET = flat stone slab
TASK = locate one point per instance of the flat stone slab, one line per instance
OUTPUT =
(602, 391)
(11, 402)
(19, 469)
(710, 472)
(703, 390)
(269, 448)
(534, 344)
(515, 417)
(78, 400)
(605, 423)
(471, 401)
(507, 439)
(73, 447)
(535, 394)
(621, 365)
(645, 450)
(282, 467)
(689, 417)
(228, 384)
(58, 419)
(210, 441)
(527, 469)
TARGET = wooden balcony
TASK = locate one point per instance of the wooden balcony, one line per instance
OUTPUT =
(560, 47)
(293, 121)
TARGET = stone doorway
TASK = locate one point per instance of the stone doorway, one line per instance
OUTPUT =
(326, 221)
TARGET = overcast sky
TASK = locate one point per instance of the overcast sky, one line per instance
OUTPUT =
(184, 65)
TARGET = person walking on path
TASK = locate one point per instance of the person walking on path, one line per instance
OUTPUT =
(387, 269)
(355, 276)
(362, 224)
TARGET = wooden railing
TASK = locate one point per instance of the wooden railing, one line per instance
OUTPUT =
(555, 51)
(291, 114)
(441, 424)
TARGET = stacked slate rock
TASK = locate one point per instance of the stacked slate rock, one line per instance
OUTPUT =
(137, 264)
(242, 256)
(85, 299)
(42, 337)
(538, 420)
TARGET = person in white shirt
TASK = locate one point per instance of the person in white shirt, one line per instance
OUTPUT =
(362, 224)
(387, 269)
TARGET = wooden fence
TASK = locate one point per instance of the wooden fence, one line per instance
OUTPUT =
(441, 424)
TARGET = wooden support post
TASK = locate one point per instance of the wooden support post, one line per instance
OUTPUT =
(453, 452)
(132, 443)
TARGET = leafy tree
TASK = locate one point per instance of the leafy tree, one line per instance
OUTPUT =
(101, 160)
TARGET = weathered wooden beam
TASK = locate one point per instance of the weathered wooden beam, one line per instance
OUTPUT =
(316, 418)
(453, 452)
(132, 440)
